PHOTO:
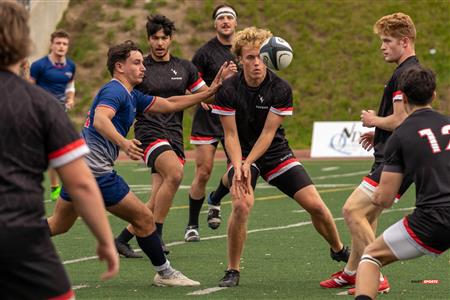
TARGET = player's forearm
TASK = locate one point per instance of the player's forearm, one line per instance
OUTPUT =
(383, 199)
(262, 144)
(87, 198)
(390, 122)
(70, 96)
(233, 147)
(106, 128)
(182, 102)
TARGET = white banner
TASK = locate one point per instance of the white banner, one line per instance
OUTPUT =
(338, 139)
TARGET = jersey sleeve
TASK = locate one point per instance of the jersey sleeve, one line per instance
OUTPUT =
(143, 102)
(36, 70)
(225, 103)
(63, 144)
(111, 98)
(195, 81)
(396, 92)
(393, 155)
(282, 104)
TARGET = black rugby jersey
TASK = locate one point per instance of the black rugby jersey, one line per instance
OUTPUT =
(391, 94)
(420, 147)
(210, 57)
(166, 79)
(35, 133)
(251, 105)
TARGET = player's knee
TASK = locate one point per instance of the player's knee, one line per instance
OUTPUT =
(175, 177)
(203, 173)
(351, 215)
(241, 209)
(144, 223)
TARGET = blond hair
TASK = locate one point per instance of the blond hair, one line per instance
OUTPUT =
(249, 36)
(397, 25)
(15, 42)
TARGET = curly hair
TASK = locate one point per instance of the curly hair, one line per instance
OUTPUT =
(249, 36)
(15, 42)
(397, 25)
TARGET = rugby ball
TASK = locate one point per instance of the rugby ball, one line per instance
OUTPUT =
(276, 53)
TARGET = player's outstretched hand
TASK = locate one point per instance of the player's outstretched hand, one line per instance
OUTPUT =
(246, 178)
(368, 118)
(237, 187)
(109, 254)
(217, 82)
(132, 149)
(229, 70)
(366, 140)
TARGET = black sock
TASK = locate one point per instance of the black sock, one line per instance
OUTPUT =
(218, 194)
(125, 236)
(362, 297)
(151, 245)
(195, 205)
(159, 228)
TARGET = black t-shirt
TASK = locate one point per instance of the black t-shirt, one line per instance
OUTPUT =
(420, 147)
(391, 94)
(35, 133)
(166, 79)
(250, 105)
(210, 57)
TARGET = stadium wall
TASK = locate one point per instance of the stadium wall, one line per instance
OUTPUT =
(44, 16)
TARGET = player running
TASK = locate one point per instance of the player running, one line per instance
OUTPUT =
(206, 129)
(110, 117)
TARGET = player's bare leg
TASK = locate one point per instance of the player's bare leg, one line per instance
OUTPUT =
(321, 217)
(63, 218)
(376, 255)
(361, 218)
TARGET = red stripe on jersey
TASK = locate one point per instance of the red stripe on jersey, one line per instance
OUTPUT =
(284, 108)
(370, 181)
(66, 296)
(280, 166)
(107, 106)
(223, 108)
(153, 144)
(150, 105)
(397, 96)
(64, 150)
(416, 238)
(192, 86)
(202, 138)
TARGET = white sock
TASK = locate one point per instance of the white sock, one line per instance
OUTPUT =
(210, 206)
(348, 272)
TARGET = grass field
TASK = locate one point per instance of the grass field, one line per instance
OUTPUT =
(284, 256)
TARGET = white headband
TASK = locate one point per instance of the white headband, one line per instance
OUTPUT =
(225, 11)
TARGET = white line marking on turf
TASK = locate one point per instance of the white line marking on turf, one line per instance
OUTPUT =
(344, 293)
(207, 291)
(215, 237)
(330, 169)
(340, 175)
(81, 286)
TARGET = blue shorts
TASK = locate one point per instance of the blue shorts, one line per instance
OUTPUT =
(112, 186)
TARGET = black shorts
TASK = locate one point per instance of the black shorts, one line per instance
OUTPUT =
(206, 128)
(372, 180)
(33, 270)
(430, 228)
(154, 146)
(283, 170)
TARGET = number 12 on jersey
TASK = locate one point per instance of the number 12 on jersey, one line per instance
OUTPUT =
(432, 141)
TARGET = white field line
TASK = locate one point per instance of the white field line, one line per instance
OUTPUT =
(330, 169)
(300, 224)
(206, 291)
(81, 286)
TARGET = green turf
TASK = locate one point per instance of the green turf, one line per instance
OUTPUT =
(277, 262)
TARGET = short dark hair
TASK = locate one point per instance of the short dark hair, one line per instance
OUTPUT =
(15, 42)
(120, 53)
(157, 22)
(220, 6)
(418, 84)
(59, 34)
